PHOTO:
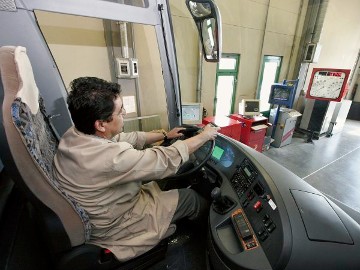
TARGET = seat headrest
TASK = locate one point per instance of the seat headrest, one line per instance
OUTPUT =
(26, 80)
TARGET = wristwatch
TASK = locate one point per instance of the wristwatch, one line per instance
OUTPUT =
(165, 135)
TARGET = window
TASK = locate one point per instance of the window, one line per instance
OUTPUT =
(269, 75)
(226, 81)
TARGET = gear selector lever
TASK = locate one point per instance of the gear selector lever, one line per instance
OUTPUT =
(222, 204)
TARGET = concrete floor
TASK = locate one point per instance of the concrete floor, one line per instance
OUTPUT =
(329, 164)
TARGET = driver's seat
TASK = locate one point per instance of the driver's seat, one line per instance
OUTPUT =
(27, 148)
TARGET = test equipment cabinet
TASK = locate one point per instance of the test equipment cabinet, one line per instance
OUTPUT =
(229, 127)
(253, 130)
(285, 126)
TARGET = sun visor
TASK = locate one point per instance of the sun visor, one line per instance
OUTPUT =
(320, 219)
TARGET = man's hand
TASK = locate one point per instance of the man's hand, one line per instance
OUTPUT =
(210, 132)
(175, 133)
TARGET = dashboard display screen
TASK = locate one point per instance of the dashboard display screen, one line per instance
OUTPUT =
(223, 154)
(217, 152)
(248, 173)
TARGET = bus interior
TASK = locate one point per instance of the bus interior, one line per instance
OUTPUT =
(262, 216)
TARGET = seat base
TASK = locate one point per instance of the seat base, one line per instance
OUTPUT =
(87, 257)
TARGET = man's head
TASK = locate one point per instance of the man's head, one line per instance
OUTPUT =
(95, 106)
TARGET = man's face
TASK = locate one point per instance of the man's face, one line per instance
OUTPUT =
(116, 125)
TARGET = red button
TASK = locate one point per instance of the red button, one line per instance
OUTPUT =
(257, 205)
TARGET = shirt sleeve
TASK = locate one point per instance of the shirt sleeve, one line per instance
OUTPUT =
(145, 165)
(136, 139)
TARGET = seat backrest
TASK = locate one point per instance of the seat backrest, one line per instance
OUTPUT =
(28, 146)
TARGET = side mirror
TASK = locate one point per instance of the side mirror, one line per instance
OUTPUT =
(208, 21)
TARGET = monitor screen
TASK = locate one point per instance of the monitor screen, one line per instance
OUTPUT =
(283, 93)
(279, 93)
(191, 113)
(249, 107)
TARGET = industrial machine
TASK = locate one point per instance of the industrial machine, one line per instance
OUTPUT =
(326, 89)
(285, 126)
(274, 221)
(282, 117)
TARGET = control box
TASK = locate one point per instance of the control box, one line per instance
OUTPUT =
(127, 68)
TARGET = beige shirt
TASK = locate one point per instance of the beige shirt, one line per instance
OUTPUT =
(105, 177)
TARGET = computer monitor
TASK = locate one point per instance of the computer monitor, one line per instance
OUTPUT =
(280, 94)
(191, 113)
(283, 93)
(249, 107)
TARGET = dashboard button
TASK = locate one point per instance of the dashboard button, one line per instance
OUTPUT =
(245, 203)
(266, 217)
(262, 234)
(258, 206)
(268, 222)
(271, 227)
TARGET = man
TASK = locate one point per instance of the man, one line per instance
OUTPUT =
(103, 169)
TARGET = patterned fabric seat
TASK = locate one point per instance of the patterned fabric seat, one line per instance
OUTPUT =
(28, 146)
(42, 143)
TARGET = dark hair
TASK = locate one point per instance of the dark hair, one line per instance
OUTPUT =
(91, 99)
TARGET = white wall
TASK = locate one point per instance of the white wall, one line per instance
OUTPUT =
(77, 44)
(340, 36)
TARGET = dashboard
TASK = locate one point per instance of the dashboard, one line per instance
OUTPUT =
(279, 221)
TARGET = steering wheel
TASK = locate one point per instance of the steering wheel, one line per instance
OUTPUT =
(196, 159)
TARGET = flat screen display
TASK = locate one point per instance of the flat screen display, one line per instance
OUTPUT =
(281, 93)
(217, 152)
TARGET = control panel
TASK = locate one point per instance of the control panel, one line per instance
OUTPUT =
(258, 219)
(243, 178)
